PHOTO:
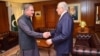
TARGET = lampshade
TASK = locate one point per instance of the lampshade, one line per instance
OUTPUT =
(82, 24)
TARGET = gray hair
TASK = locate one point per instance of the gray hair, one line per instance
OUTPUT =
(26, 6)
(63, 5)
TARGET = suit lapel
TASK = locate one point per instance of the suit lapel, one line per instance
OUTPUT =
(62, 16)
(29, 22)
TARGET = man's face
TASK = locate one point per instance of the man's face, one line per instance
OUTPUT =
(59, 10)
(30, 11)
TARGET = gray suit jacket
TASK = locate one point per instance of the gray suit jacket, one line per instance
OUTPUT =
(26, 33)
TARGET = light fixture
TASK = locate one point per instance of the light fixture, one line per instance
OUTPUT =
(82, 25)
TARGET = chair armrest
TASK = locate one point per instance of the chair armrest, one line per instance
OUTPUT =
(1, 38)
(85, 51)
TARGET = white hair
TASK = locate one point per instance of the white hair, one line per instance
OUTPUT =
(63, 5)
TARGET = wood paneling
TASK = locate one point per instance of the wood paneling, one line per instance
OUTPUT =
(4, 24)
(91, 12)
(39, 6)
(50, 16)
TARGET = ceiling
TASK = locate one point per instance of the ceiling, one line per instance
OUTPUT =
(24, 1)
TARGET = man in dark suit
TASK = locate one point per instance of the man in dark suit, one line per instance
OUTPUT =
(27, 34)
(62, 35)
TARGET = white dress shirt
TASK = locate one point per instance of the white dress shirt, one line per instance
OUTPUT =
(62, 14)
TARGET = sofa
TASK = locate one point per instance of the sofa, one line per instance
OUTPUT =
(0, 46)
(86, 44)
(8, 40)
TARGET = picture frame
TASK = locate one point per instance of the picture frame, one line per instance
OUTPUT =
(75, 11)
(37, 13)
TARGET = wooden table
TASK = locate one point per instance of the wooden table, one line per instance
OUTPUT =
(42, 44)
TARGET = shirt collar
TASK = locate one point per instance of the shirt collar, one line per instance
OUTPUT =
(63, 13)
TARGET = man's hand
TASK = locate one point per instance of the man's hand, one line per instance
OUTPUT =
(46, 34)
(49, 41)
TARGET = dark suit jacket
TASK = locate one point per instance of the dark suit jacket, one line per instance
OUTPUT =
(26, 33)
(62, 35)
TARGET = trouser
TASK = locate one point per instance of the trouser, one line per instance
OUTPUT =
(31, 52)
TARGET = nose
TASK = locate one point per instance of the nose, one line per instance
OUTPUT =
(57, 10)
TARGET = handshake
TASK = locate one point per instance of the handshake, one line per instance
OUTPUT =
(47, 35)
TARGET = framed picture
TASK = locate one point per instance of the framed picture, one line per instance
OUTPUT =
(74, 10)
(37, 13)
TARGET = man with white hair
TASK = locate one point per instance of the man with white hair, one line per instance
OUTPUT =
(62, 35)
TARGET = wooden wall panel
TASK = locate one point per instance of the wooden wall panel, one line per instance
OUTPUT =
(50, 16)
(91, 12)
(4, 24)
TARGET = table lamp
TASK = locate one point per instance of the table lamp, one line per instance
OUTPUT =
(82, 25)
